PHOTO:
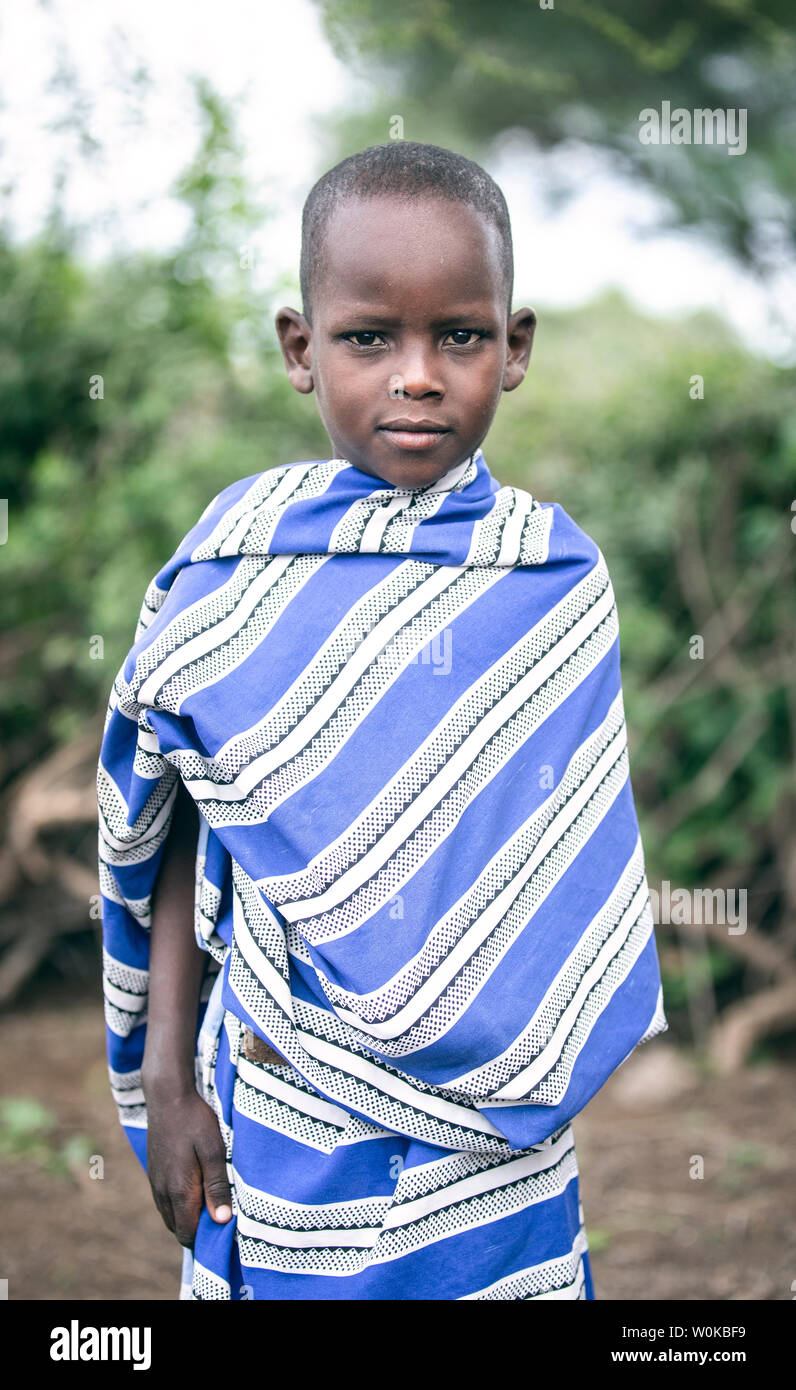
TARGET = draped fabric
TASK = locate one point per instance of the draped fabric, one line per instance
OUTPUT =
(419, 875)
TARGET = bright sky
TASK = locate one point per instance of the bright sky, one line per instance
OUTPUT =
(272, 58)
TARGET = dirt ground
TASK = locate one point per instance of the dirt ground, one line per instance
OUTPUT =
(656, 1229)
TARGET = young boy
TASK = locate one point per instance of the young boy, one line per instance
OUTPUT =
(366, 761)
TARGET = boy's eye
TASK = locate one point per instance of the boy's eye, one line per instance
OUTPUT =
(363, 338)
(460, 336)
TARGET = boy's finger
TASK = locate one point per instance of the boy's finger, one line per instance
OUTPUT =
(163, 1204)
(186, 1218)
(217, 1191)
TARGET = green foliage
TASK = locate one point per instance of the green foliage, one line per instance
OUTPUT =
(102, 487)
(599, 1239)
(712, 966)
(23, 1122)
(744, 1163)
(27, 1132)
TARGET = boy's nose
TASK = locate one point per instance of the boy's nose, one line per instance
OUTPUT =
(416, 374)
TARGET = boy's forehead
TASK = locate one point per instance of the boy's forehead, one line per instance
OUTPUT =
(388, 248)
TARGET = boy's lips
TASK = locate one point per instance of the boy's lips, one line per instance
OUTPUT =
(414, 434)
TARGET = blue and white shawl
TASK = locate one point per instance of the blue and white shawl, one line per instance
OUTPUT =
(419, 871)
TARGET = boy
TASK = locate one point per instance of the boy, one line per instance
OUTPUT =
(419, 884)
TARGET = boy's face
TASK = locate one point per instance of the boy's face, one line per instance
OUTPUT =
(410, 344)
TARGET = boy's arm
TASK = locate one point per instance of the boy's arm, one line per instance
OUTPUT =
(176, 963)
(185, 1150)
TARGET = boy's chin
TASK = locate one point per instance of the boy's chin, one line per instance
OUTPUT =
(416, 467)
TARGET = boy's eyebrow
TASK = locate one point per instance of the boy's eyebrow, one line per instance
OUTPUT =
(380, 320)
(372, 317)
(478, 311)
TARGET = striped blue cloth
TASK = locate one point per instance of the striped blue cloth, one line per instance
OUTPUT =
(419, 877)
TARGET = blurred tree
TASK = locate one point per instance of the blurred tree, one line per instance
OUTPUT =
(575, 70)
(130, 395)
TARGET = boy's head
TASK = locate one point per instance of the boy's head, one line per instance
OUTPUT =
(406, 277)
(408, 171)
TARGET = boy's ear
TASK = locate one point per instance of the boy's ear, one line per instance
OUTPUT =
(295, 338)
(519, 335)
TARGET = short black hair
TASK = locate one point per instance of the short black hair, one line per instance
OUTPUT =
(402, 168)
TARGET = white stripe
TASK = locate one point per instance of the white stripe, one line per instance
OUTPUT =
(215, 636)
(111, 966)
(397, 989)
(434, 792)
(396, 1243)
(271, 1085)
(286, 486)
(404, 1213)
(110, 842)
(125, 1080)
(124, 1098)
(522, 1086)
(499, 503)
(352, 1064)
(128, 1003)
(133, 1121)
(193, 616)
(374, 530)
(219, 1286)
(275, 986)
(343, 1061)
(150, 743)
(325, 707)
(467, 1220)
(512, 531)
(211, 542)
(311, 1217)
(533, 1034)
(436, 983)
(302, 1240)
(543, 1273)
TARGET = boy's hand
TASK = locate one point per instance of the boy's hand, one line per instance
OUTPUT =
(185, 1156)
